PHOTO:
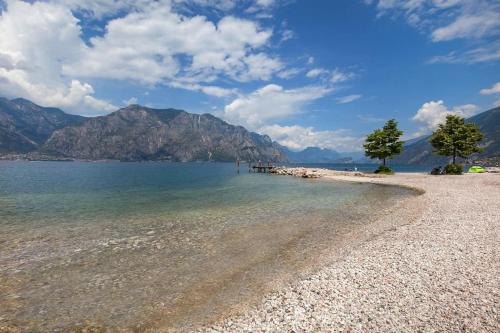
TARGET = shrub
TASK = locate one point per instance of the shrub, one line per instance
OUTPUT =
(384, 170)
(454, 169)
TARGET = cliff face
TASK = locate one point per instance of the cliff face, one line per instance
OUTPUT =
(140, 133)
(25, 126)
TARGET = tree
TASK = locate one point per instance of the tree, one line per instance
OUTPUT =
(384, 143)
(456, 138)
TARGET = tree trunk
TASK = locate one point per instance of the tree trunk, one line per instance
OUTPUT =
(384, 161)
(454, 154)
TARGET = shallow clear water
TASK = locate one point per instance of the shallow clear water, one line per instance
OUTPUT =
(148, 245)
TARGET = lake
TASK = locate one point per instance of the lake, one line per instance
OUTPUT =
(142, 246)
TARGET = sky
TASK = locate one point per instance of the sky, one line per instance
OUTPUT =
(306, 72)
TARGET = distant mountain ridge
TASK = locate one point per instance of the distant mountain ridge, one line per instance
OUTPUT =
(134, 133)
(25, 126)
(420, 151)
(138, 133)
(322, 155)
(141, 133)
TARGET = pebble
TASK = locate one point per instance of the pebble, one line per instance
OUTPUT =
(436, 270)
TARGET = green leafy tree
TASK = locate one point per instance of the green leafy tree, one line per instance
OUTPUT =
(384, 143)
(456, 138)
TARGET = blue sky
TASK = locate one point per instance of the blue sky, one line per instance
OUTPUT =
(308, 73)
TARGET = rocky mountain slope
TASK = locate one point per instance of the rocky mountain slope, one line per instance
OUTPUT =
(420, 151)
(140, 133)
(25, 126)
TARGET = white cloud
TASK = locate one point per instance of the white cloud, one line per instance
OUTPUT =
(287, 34)
(446, 20)
(103, 8)
(222, 5)
(433, 113)
(208, 90)
(271, 103)
(131, 101)
(289, 73)
(315, 72)
(348, 99)
(265, 3)
(45, 59)
(261, 5)
(298, 137)
(495, 89)
(213, 50)
(335, 76)
(107, 8)
(485, 53)
(469, 26)
(262, 110)
(32, 51)
(339, 76)
(260, 66)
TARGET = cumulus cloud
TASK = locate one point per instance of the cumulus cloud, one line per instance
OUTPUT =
(100, 9)
(218, 49)
(131, 101)
(495, 89)
(433, 113)
(45, 59)
(298, 137)
(31, 53)
(262, 109)
(270, 103)
(348, 99)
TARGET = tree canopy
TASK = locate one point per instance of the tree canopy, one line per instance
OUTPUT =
(456, 138)
(384, 143)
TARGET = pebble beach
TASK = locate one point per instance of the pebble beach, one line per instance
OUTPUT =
(431, 263)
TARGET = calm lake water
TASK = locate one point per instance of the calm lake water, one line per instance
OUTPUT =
(141, 246)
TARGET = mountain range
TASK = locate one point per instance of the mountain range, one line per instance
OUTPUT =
(25, 126)
(322, 155)
(137, 133)
(133, 133)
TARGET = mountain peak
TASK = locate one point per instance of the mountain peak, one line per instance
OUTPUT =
(142, 133)
(24, 102)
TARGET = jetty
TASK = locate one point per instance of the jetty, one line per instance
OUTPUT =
(262, 168)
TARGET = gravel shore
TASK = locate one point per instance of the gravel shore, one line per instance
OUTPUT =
(436, 269)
